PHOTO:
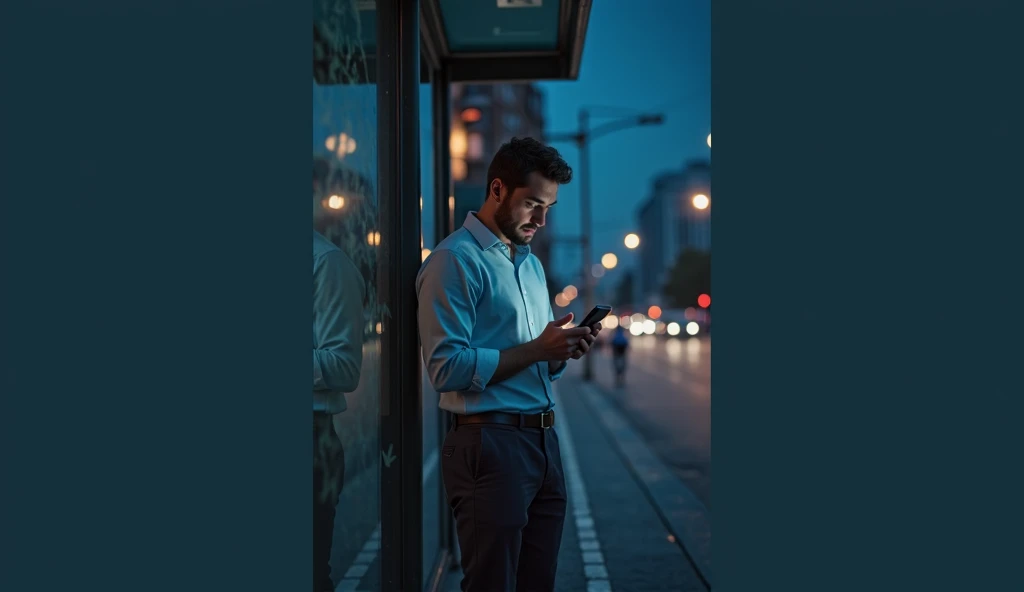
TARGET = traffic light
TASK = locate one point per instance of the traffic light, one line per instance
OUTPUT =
(704, 300)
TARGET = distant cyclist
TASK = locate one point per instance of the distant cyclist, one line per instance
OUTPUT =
(620, 343)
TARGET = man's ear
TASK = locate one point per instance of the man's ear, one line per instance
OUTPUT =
(496, 190)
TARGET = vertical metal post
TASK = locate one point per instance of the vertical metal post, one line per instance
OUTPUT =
(398, 178)
(585, 229)
(443, 221)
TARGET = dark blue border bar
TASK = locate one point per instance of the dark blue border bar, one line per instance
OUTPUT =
(867, 391)
(155, 296)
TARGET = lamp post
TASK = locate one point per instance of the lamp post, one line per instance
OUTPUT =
(582, 139)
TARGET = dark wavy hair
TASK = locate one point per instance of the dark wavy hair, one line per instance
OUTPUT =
(519, 157)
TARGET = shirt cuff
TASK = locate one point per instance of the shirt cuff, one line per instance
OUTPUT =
(486, 365)
(318, 376)
(558, 373)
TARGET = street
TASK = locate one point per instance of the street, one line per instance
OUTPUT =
(667, 397)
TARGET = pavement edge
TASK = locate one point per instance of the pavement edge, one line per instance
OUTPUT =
(682, 512)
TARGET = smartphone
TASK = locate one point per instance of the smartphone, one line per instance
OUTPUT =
(596, 315)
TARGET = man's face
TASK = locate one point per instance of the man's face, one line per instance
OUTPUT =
(525, 210)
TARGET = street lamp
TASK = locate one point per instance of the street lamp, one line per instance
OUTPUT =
(709, 140)
(701, 201)
(609, 260)
(632, 241)
(582, 139)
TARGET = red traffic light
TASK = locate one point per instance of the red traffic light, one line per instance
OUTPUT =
(704, 300)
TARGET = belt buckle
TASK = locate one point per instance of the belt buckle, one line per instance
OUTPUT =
(543, 416)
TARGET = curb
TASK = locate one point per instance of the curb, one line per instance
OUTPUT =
(683, 514)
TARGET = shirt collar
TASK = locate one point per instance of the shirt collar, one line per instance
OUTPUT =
(485, 237)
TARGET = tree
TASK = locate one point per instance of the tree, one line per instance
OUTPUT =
(688, 278)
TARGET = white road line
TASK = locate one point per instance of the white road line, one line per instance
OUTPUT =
(355, 572)
(590, 547)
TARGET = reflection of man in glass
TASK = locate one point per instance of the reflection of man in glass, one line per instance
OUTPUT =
(337, 358)
(492, 347)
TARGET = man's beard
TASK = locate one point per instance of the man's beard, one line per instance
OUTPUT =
(508, 227)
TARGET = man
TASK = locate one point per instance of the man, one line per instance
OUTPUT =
(492, 349)
(337, 358)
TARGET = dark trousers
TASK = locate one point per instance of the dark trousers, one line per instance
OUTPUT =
(506, 488)
(328, 475)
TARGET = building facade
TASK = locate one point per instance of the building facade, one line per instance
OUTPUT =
(672, 219)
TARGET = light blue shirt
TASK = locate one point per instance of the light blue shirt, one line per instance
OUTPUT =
(337, 326)
(475, 300)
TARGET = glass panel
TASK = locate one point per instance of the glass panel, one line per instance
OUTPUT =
(433, 496)
(345, 214)
(427, 164)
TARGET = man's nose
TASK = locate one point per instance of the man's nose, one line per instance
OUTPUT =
(540, 218)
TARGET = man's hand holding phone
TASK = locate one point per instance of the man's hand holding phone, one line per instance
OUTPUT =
(593, 322)
(556, 344)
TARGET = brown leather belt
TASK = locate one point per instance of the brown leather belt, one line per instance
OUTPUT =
(540, 420)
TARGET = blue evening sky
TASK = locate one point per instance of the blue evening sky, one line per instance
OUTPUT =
(644, 55)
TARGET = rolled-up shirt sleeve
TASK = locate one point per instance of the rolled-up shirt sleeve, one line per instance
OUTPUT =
(337, 323)
(447, 294)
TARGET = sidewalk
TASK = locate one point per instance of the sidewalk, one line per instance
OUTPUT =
(631, 524)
